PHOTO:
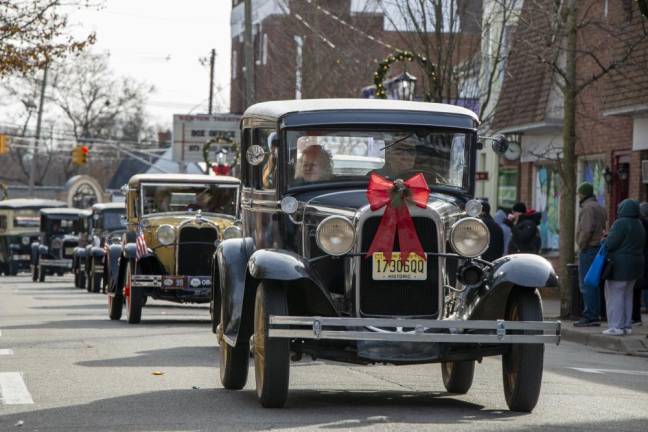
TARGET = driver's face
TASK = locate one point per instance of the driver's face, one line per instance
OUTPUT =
(401, 157)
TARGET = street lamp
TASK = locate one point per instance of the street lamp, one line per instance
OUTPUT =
(402, 87)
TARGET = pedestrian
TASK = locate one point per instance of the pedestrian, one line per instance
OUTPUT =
(500, 218)
(525, 235)
(589, 233)
(496, 246)
(642, 282)
(625, 245)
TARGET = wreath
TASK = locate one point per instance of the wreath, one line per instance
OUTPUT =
(207, 146)
(399, 56)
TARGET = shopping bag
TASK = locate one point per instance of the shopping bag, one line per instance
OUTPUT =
(593, 276)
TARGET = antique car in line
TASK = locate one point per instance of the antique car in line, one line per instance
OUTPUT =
(375, 260)
(19, 224)
(60, 231)
(108, 225)
(175, 222)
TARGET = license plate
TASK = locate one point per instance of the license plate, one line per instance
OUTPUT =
(69, 251)
(173, 282)
(415, 268)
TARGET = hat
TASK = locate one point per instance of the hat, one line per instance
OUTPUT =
(519, 207)
(586, 189)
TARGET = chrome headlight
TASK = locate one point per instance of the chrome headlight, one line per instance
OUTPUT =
(469, 237)
(165, 234)
(232, 232)
(335, 235)
(57, 243)
(25, 241)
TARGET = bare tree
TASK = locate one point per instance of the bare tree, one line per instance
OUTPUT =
(34, 32)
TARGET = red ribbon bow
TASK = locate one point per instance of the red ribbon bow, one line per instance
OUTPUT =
(395, 195)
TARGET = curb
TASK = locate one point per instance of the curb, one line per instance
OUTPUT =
(632, 345)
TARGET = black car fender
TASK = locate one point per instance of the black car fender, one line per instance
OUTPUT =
(78, 256)
(97, 252)
(512, 272)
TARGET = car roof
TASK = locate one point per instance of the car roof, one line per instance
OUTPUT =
(181, 178)
(276, 109)
(18, 203)
(109, 206)
(65, 211)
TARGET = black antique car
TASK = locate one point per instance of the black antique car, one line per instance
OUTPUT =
(175, 222)
(361, 244)
(19, 222)
(60, 229)
(108, 225)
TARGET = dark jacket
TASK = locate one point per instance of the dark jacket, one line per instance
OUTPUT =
(625, 243)
(525, 235)
(496, 246)
(591, 224)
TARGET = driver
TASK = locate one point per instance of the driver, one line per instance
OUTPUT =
(399, 158)
(314, 164)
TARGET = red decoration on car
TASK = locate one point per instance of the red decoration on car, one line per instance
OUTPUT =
(395, 195)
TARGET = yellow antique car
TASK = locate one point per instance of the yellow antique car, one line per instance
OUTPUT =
(175, 222)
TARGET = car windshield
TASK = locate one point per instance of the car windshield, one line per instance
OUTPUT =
(61, 225)
(27, 218)
(113, 220)
(213, 198)
(441, 155)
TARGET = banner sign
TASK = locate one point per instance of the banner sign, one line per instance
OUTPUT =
(191, 132)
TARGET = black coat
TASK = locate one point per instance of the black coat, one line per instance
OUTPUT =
(525, 235)
(496, 247)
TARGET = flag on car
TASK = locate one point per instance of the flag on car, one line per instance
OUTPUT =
(140, 244)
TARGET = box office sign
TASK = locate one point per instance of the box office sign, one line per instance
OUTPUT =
(192, 132)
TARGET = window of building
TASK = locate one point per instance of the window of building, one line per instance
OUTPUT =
(546, 200)
(592, 170)
(507, 180)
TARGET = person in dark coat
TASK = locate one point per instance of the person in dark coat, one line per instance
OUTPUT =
(625, 245)
(525, 235)
(642, 282)
(496, 246)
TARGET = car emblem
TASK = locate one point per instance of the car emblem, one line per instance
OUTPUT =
(168, 282)
(195, 282)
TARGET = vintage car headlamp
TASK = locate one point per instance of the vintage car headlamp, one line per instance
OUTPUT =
(469, 237)
(473, 208)
(57, 243)
(165, 234)
(335, 235)
(232, 232)
(25, 241)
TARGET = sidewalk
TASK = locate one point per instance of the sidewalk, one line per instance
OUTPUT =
(636, 344)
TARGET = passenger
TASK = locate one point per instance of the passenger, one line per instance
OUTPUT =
(314, 164)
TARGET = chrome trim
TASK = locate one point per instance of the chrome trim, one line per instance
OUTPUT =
(312, 328)
(430, 212)
(453, 229)
(319, 226)
(55, 263)
(146, 281)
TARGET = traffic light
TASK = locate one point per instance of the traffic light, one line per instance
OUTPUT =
(80, 155)
(4, 144)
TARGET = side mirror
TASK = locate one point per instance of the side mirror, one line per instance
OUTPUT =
(499, 144)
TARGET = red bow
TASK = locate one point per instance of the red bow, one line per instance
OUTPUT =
(395, 195)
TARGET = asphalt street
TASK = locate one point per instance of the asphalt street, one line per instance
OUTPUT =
(64, 366)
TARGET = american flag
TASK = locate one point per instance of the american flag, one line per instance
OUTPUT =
(140, 244)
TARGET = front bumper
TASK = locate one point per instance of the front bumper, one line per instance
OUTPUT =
(414, 330)
(199, 286)
(66, 263)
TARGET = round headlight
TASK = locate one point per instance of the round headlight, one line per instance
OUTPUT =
(469, 237)
(335, 235)
(57, 243)
(25, 241)
(232, 232)
(473, 208)
(165, 234)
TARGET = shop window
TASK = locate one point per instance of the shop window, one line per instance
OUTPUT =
(592, 171)
(546, 200)
(507, 187)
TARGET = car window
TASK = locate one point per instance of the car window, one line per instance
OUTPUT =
(26, 218)
(212, 198)
(264, 175)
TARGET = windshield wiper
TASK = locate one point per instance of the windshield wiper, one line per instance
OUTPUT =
(397, 141)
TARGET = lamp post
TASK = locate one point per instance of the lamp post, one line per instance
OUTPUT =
(402, 87)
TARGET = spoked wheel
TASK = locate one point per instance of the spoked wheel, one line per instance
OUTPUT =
(271, 355)
(458, 375)
(522, 364)
(133, 297)
(41, 273)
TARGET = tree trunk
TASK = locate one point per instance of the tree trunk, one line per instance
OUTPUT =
(568, 165)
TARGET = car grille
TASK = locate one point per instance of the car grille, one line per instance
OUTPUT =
(400, 298)
(195, 250)
(68, 246)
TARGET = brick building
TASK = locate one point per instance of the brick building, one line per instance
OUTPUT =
(530, 111)
(328, 48)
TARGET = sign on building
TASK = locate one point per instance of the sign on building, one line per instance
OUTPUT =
(191, 132)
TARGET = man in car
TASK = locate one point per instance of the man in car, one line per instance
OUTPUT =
(314, 164)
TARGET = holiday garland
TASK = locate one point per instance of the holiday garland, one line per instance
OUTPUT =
(207, 145)
(401, 56)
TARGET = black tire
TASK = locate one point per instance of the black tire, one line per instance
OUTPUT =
(522, 365)
(234, 363)
(41, 273)
(12, 268)
(215, 307)
(271, 355)
(458, 376)
(82, 279)
(34, 273)
(133, 299)
(115, 306)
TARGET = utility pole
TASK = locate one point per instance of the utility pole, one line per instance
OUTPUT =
(248, 51)
(32, 168)
(211, 79)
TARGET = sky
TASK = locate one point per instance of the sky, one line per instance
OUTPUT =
(161, 42)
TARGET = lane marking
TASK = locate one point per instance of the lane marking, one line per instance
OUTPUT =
(13, 390)
(6, 351)
(613, 371)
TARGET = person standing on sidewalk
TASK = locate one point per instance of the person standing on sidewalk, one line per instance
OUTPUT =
(625, 244)
(500, 217)
(589, 232)
(642, 282)
(525, 235)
